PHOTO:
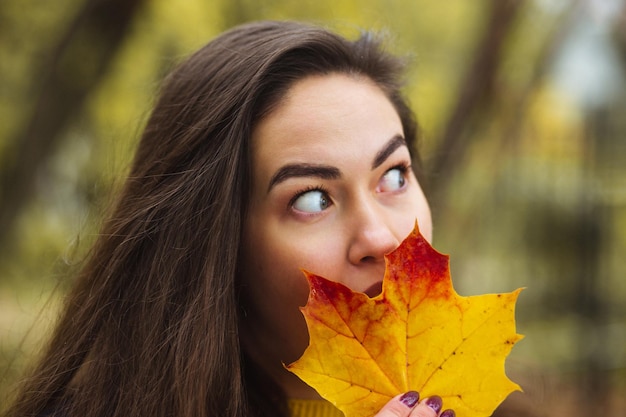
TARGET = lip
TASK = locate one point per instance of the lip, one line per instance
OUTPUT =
(374, 289)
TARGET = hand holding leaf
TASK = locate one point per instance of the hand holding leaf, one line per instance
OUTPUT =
(419, 334)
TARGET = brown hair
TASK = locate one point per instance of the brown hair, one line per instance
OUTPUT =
(152, 323)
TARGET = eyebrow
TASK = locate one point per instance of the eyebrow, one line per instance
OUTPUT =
(327, 172)
(324, 172)
(389, 148)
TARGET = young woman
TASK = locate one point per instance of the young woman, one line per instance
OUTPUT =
(278, 146)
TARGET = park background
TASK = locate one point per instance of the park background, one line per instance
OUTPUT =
(522, 106)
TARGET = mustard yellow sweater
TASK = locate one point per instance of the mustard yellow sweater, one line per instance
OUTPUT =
(313, 408)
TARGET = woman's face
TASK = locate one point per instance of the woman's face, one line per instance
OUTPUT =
(332, 192)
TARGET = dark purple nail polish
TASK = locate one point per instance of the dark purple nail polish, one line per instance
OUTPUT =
(435, 402)
(410, 398)
(448, 413)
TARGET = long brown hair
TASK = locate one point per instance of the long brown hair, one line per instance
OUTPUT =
(152, 323)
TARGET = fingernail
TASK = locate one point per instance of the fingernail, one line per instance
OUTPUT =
(435, 403)
(410, 398)
(448, 413)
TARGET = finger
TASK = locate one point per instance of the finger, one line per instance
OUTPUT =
(400, 405)
(429, 407)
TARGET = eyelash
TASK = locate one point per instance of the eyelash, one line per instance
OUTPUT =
(305, 190)
(403, 167)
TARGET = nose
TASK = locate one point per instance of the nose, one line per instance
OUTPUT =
(371, 237)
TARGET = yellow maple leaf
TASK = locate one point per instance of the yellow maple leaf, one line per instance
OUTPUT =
(418, 334)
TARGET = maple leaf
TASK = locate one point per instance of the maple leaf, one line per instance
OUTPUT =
(418, 334)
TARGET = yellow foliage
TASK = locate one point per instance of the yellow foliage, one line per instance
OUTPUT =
(419, 334)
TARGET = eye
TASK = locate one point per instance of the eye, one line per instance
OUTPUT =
(312, 201)
(393, 180)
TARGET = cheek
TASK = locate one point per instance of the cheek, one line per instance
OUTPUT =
(424, 223)
(420, 210)
(273, 281)
(277, 287)
(277, 268)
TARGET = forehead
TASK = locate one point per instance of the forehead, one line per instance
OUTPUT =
(333, 95)
(324, 117)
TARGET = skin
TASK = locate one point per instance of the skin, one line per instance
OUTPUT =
(332, 193)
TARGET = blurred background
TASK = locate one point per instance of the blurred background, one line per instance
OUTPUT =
(522, 105)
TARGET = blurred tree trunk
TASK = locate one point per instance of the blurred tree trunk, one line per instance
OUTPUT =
(75, 66)
(475, 96)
